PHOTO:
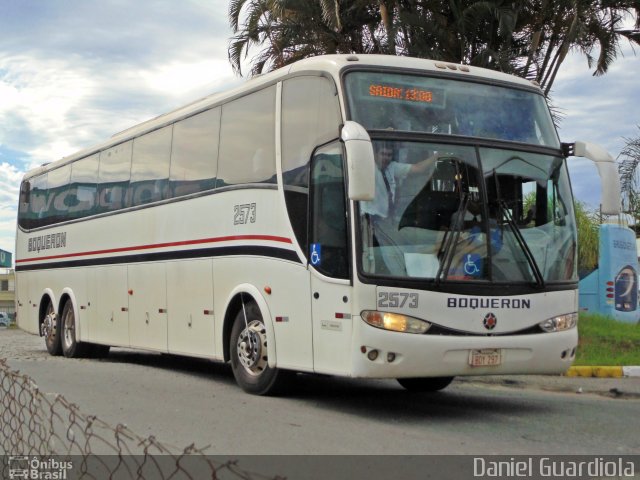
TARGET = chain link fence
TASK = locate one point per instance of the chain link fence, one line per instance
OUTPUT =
(46, 433)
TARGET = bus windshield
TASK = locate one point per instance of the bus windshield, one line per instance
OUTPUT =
(429, 220)
(411, 103)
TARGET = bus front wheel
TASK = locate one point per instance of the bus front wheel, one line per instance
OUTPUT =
(426, 384)
(249, 360)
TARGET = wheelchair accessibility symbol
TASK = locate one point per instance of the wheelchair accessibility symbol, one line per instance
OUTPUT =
(473, 265)
(316, 254)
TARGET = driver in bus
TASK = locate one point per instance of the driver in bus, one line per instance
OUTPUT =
(388, 174)
(379, 211)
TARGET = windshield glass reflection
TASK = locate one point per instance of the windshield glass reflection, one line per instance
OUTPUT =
(429, 219)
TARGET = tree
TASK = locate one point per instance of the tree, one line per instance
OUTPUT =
(629, 170)
(553, 29)
(527, 38)
(588, 225)
(288, 30)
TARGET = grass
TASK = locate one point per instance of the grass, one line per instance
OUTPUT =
(607, 342)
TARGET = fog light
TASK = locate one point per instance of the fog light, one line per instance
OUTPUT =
(391, 357)
(372, 355)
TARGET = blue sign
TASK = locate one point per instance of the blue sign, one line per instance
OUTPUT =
(316, 254)
(5, 259)
(472, 265)
(612, 289)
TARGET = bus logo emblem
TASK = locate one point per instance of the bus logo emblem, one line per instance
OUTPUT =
(490, 321)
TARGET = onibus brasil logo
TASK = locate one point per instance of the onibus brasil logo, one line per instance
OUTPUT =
(35, 468)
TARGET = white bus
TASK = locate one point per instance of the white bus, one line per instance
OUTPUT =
(257, 227)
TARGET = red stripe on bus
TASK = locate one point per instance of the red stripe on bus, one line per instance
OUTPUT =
(269, 238)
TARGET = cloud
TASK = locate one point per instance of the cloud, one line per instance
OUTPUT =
(9, 186)
(600, 110)
(72, 73)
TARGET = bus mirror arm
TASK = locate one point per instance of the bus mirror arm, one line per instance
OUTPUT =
(608, 171)
(360, 162)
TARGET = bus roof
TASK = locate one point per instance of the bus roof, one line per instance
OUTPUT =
(331, 64)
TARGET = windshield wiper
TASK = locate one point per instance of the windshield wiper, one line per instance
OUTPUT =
(513, 226)
(523, 243)
(451, 238)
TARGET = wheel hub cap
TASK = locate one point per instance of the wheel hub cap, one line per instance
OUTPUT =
(252, 347)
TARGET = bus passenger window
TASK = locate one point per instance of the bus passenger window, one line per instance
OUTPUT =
(150, 167)
(58, 190)
(247, 146)
(83, 187)
(113, 182)
(194, 154)
(38, 201)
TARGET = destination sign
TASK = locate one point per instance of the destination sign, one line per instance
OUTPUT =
(410, 94)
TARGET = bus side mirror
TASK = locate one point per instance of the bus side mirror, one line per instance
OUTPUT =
(608, 171)
(360, 162)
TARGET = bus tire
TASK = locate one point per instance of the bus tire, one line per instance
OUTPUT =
(249, 361)
(51, 331)
(426, 384)
(71, 348)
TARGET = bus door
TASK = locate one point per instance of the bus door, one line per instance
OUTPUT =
(329, 262)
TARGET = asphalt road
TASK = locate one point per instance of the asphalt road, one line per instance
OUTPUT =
(184, 401)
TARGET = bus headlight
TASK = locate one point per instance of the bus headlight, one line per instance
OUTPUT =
(395, 322)
(560, 323)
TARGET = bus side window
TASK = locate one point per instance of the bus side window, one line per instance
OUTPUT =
(328, 212)
(58, 189)
(150, 167)
(23, 208)
(247, 140)
(113, 181)
(194, 154)
(38, 201)
(83, 187)
(310, 117)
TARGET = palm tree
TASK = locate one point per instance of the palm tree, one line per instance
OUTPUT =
(556, 28)
(629, 169)
(528, 38)
(289, 30)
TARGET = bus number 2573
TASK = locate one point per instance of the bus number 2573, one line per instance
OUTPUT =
(245, 213)
(397, 300)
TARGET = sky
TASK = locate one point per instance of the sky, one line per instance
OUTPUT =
(74, 72)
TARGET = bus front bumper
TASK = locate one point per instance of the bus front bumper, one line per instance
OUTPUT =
(385, 354)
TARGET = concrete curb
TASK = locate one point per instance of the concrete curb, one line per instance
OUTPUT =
(603, 372)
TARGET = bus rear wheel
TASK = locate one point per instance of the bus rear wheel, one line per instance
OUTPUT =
(71, 348)
(426, 384)
(50, 329)
(249, 360)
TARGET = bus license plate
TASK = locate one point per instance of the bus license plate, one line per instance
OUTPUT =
(485, 358)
